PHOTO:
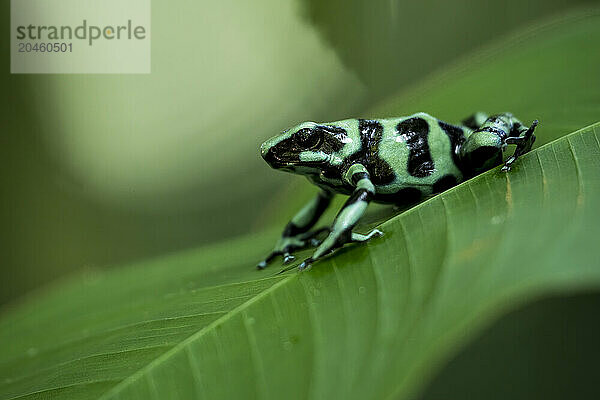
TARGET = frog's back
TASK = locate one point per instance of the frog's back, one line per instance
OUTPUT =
(416, 156)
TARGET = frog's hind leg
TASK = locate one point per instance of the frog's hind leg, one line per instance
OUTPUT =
(483, 148)
(524, 142)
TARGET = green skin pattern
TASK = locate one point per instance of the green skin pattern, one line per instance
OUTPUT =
(395, 160)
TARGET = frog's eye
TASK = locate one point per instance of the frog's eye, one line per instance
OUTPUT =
(308, 138)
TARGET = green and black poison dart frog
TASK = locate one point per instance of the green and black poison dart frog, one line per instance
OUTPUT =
(396, 161)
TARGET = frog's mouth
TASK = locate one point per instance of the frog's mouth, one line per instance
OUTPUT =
(276, 162)
(287, 165)
(281, 157)
(279, 160)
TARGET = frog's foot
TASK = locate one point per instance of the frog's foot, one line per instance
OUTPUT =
(306, 264)
(357, 237)
(287, 245)
(286, 254)
(524, 144)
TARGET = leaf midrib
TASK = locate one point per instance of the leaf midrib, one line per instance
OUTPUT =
(200, 333)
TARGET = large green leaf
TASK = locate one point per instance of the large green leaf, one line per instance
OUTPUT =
(203, 323)
(374, 321)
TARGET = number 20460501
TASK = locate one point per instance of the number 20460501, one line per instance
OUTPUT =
(45, 47)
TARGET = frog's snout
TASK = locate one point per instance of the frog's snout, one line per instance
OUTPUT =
(264, 149)
(268, 155)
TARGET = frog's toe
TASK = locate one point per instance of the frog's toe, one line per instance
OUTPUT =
(261, 265)
(288, 258)
(508, 164)
(357, 237)
(375, 233)
(306, 264)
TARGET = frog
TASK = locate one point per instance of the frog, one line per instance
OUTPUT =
(398, 161)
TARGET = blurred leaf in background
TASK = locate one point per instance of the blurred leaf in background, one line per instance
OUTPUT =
(546, 350)
(102, 169)
(392, 43)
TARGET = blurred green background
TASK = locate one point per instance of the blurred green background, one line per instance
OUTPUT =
(99, 170)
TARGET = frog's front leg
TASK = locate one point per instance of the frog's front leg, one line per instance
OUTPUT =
(354, 208)
(296, 234)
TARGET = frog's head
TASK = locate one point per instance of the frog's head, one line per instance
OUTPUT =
(306, 148)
